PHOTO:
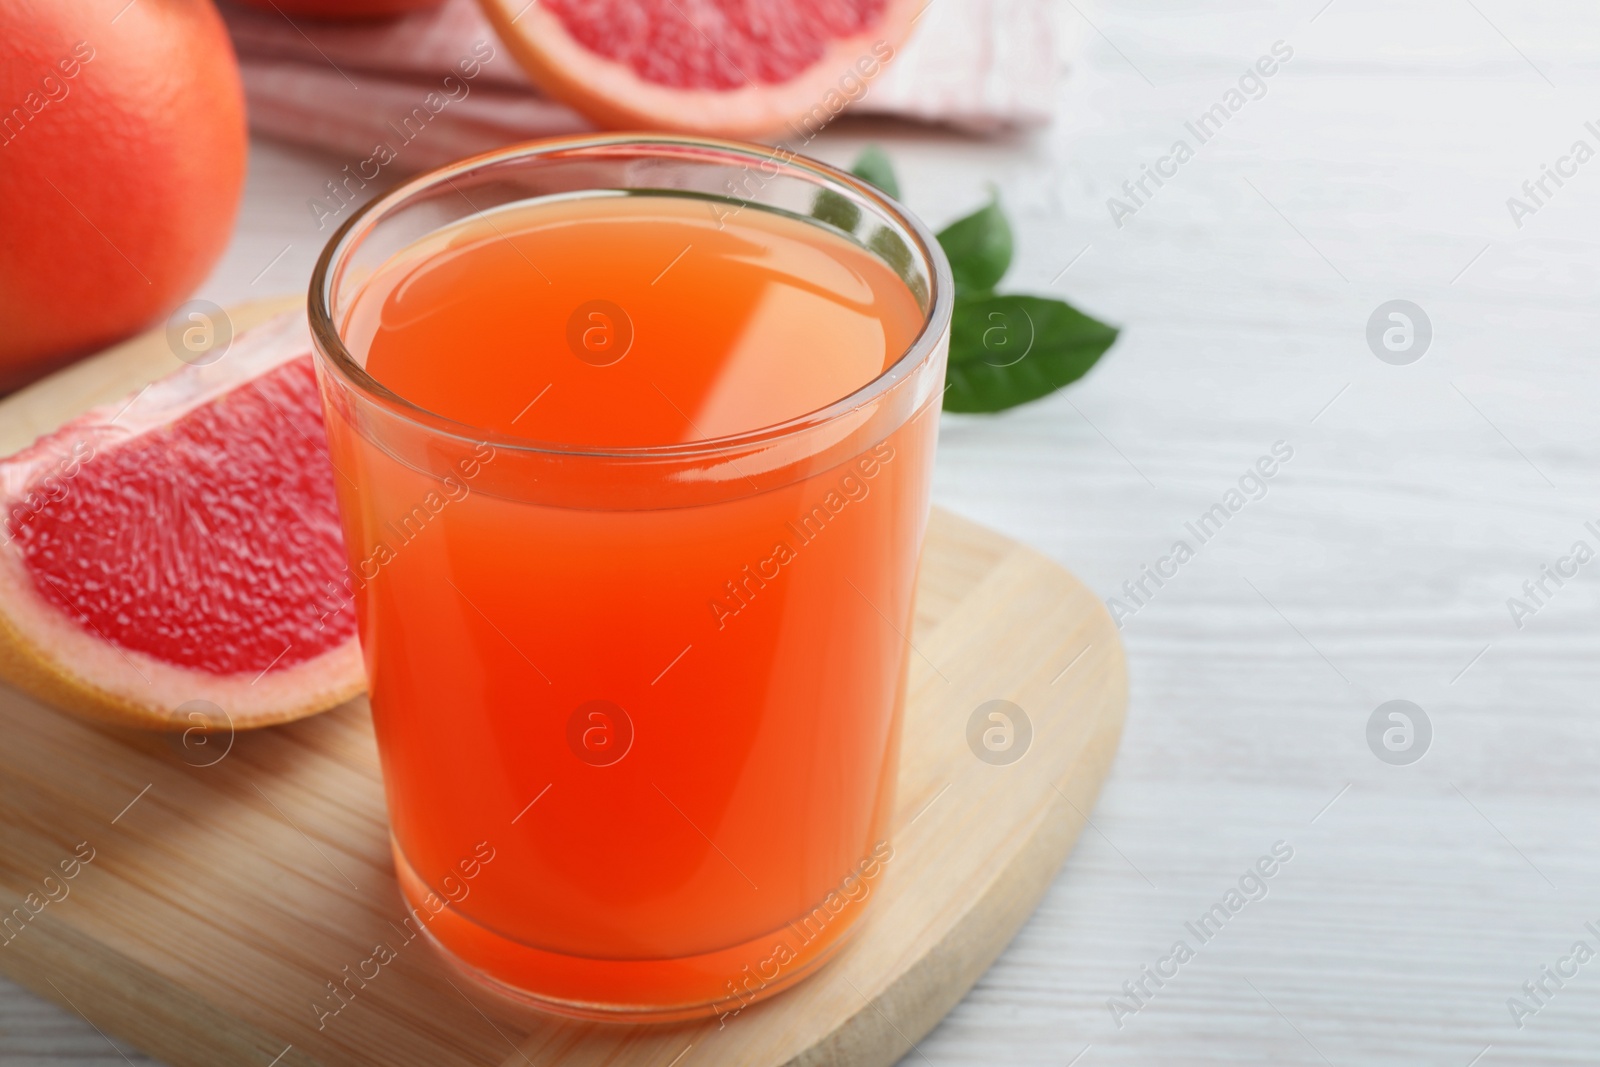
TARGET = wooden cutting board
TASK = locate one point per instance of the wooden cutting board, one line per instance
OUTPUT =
(228, 885)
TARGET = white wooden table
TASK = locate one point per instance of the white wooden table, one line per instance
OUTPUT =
(1419, 498)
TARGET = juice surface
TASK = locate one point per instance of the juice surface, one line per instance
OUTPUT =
(631, 321)
(672, 729)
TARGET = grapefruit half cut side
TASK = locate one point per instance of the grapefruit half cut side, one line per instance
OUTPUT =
(729, 68)
(183, 545)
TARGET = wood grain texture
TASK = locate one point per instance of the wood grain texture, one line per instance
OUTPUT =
(1389, 144)
(215, 890)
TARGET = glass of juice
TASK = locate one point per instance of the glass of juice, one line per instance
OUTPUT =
(633, 438)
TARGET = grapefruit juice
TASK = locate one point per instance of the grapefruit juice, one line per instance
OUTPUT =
(637, 690)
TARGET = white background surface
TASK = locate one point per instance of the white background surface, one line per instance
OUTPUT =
(1377, 166)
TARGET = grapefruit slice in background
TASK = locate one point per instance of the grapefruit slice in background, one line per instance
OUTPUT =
(183, 544)
(732, 68)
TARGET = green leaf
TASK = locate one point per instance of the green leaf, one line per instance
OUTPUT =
(835, 210)
(893, 251)
(873, 166)
(1008, 350)
(979, 248)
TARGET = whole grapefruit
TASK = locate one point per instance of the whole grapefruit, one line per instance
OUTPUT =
(122, 157)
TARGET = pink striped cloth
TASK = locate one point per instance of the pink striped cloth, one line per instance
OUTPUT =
(979, 65)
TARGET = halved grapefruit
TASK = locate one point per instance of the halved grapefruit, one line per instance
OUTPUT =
(732, 68)
(183, 545)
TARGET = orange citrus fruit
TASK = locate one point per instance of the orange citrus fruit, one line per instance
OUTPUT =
(122, 157)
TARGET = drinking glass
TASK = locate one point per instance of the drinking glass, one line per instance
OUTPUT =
(608, 795)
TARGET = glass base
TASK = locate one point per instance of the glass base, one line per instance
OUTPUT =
(721, 983)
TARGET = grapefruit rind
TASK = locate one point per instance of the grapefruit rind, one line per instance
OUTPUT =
(54, 657)
(613, 96)
(48, 657)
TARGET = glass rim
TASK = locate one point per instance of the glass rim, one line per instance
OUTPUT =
(336, 357)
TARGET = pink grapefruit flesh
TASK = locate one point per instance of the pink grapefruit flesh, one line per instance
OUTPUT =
(661, 42)
(181, 545)
(732, 68)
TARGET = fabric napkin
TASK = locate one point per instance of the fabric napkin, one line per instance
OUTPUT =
(978, 65)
